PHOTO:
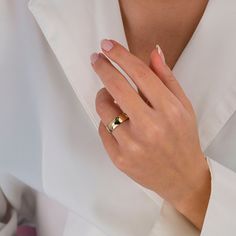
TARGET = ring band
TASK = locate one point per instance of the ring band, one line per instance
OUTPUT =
(116, 122)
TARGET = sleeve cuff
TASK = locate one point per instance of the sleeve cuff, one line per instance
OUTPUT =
(221, 211)
(173, 223)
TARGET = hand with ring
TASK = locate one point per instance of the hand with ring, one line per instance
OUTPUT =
(153, 136)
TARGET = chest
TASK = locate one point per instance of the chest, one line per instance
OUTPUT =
(172, 46)
(172, 30)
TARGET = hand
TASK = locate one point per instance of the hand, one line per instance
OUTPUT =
(158, 146)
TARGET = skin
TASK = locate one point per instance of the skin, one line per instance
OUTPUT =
(158, 146)
(170, 23)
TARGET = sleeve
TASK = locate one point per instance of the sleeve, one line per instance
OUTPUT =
(221, 211)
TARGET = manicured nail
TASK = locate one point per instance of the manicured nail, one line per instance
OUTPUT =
(161, 53)
(94, 57)
(106, 45)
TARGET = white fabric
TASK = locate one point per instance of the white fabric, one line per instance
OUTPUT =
(51, 217)
(48, 137)
(7, 226)
(80, 226)
(20, 204)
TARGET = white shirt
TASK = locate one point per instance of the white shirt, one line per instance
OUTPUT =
(48, 120)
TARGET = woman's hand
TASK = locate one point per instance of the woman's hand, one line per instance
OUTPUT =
(158, 146)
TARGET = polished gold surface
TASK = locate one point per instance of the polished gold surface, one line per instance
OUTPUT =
(116, 122)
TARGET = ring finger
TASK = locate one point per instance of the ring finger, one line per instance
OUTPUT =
(108, 110)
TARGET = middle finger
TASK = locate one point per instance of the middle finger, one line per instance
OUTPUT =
(118, 86)
(145, 79)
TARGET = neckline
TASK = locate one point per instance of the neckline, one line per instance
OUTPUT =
(189, 43)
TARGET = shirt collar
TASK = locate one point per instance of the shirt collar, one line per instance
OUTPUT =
(205, 69)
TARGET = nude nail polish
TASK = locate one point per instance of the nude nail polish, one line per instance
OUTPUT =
(106, 45)
(161, 53)
(94, 57)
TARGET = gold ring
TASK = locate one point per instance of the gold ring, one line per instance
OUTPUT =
(116, 122)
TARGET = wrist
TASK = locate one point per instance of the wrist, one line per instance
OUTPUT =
(195, 202)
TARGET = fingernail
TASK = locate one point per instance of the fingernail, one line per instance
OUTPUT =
(161, 53)
(106, 45)
(94, 57)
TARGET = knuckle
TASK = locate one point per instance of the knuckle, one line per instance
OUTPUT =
(99, 100)
(176, 116)
(101, 93)
(152, 130)
(134, 147)
(174, 112)
(150, 126)
(120, 162)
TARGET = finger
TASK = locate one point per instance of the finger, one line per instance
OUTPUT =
(144, 78)
(109, 142)
(117, 85)
(108, 110)
(167, 77)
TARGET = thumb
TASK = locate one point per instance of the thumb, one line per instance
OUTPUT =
(162, 70)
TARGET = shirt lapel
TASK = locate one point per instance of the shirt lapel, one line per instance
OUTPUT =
(73, 30)
(205, 69)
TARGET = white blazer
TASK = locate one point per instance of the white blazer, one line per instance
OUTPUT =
(48, 136)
